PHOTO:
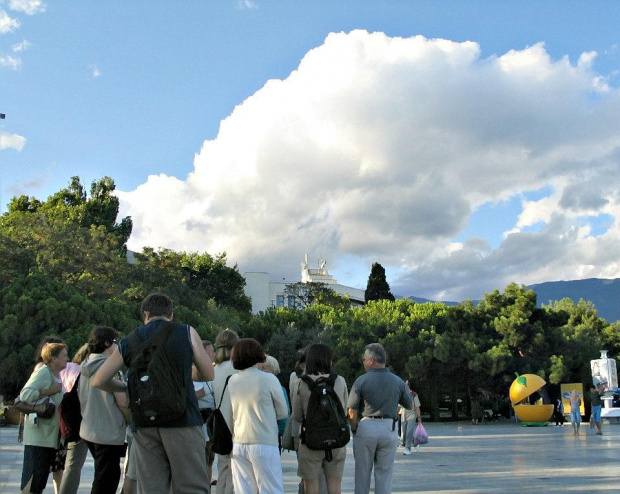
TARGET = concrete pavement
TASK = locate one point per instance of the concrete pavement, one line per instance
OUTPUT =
(460, 458)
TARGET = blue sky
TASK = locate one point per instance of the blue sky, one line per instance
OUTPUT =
(348, 130)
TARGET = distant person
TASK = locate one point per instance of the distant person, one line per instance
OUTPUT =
(169, 457)
(410, 419)
(596, 392)
(373, 402)
(558, 413)
(575, 412)
(476, 411)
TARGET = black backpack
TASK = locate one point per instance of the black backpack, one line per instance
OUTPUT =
(70, 414)
(219, 433)
(324, 427)
(157, 393)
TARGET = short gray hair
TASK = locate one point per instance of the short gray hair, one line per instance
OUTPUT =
(376, 352)
(273, 364)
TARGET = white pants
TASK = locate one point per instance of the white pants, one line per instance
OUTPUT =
(257, 468)
(224, 475)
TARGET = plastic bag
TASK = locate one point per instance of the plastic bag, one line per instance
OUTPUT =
(420, 437)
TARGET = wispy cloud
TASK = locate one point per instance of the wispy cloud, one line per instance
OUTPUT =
(27, 186)
(21, 46)
(29, 7)
(10, 62)
(7, 23)
(247, 4)
(94, 70)
(11, 141)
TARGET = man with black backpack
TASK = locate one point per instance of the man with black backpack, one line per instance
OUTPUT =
(168, 440)
(373, 401)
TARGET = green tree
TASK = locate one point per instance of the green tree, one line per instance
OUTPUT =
(378, 287)
(34, 306)
(303, 295)
(191, 278)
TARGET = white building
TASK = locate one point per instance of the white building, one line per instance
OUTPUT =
(266, 294)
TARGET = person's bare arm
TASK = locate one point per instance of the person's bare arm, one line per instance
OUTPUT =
(353, 421)
(123, 405)
(104, 378)
(203, 362)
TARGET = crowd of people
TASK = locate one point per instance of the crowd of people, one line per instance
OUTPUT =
(232, 376)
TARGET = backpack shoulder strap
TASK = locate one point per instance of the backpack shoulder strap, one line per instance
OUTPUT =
(331, 380)
(223, 391)
(311, 383)
(162, 334)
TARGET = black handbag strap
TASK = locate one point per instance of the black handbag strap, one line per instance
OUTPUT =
(223, 391)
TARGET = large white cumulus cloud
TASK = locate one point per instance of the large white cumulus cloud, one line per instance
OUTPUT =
(381, 149)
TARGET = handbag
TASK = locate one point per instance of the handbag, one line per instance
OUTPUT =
(43, 407)
(288, 441)
(219, 433)
(70, 414)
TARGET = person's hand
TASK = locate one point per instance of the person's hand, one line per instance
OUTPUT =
(20, 431)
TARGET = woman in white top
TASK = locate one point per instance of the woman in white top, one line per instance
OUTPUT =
(257, 404)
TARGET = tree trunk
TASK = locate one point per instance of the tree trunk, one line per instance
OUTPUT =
(434, 405)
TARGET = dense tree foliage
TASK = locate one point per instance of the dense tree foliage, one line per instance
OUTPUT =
(450, 355)
(64, 269)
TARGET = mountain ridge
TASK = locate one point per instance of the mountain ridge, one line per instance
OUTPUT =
(602, 292)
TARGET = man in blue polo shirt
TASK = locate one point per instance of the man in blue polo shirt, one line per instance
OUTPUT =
(373, 401)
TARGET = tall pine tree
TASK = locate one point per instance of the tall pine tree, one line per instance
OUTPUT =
(377, 288)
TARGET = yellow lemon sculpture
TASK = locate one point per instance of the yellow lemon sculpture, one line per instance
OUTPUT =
(522, 387)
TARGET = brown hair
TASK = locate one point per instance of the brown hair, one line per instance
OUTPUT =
(81, 354)
(45, 341)
(157, 305)
(101, 338)
(246, 353)
(224, 343)
(318, 359)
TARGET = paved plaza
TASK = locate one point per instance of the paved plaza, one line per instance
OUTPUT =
(460, 458)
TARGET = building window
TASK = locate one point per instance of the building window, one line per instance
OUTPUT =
(290, 300)
(279, 300)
